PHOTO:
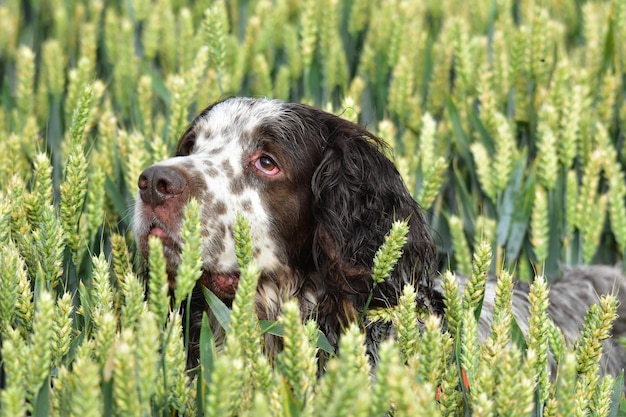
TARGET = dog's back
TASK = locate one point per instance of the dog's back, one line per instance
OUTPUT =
(571, 296)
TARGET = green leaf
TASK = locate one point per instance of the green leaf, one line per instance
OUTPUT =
(465, 199)
(85, 302)
(483, 135)
(107, 395)
(158, 83)
(207, 348)
(41, 403)
(117, 198)
(277, 329)
(217, 306)
(521, 219)
(507, 202)
(618, 387)
(462, 142)
(272, 327)
(207, 362)
(517, 335)
(291, 405)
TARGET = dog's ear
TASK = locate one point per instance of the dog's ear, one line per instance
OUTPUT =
(358, 193)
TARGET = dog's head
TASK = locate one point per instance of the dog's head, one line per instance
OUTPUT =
(319, 194)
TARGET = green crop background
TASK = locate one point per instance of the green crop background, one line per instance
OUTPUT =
(506, 120)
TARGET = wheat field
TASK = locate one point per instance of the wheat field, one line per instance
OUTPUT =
(506, 120)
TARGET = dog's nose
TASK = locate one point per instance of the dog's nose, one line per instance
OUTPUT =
(158, 183)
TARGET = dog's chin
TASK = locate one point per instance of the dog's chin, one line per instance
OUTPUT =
(166, 238)
(222, 284)
(170, 244)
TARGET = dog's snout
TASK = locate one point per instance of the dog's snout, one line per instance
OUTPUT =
(158, 183)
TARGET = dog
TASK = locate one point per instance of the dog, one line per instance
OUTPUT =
(320, 194)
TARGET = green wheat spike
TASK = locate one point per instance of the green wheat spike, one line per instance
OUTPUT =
(102, 293)
(133, 303)
(502, 314)
(186, 30)
(309, 31)
(406, 323)
(485, 229)
(132, 147)
(244, 338)
(78, 78)
(13, 396)
(452, 301)
(409, 398)
(601, 399)
(63, 335)
(40, 346)
(216, 30)
(243, 322)
(152, 30)
(178, 106)
(596, 328)
(547, 160)
(96, 202)
(540, 226)
(590, 211)
(380, 390)
(469, 348)
(484, 171)
(459, 242)
(359, 16)
(25, 89)
(125, 70)
(539, 332)
(569, 129)
(540, 46)
(450, 397)
(297, 362)
(243, 242)
(13, 266)
(48, 238)
(74, 186)
(125, 393)
(61, 395)
(230, 372)
(475, 288)
(87, 400)
(431, 351)
(147, 356)
(168, 46)
(145, 103)
(106, 326)
(190, 267)
(515, 393)
(566, 385)
(505, 153)
(25, 306)
(342, 390)
(53, 65)
(88, 47)
(173, 385)
(390, 251)
(158, 287)
(5, 221)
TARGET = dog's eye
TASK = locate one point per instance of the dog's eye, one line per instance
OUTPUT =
(186, 148)
(266, 165)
